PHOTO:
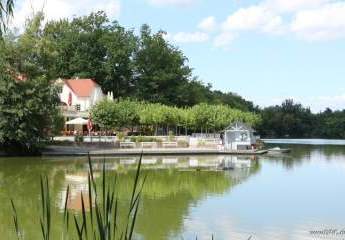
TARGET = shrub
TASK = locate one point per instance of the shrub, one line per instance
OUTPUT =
(144, 139)
(171, 136)
(79, 138)
(182, 143)
(120, 135)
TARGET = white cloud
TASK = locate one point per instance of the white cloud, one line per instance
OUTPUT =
(293, 5)
(188, 37)
(306, 19)
(224, 39)
(253, 18)
(178, 3)
(208, 24)
(56, 9)
(323, 23)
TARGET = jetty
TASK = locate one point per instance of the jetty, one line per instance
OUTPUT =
(144, 151)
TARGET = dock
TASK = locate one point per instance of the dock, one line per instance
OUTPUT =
(150, 152)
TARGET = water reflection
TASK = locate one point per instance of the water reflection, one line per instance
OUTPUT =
(173, 186)
(231, 196)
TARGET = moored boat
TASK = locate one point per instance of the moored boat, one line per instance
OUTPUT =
(279, 150)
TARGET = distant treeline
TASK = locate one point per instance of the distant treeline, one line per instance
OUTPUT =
(292, 120)
(142, 66)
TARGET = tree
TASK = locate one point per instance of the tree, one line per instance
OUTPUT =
(160, 69)
(330, 124)
(6, 11)
(57, 125)
(26, 111)
(287, 120)
(128, 113)
(104, 113)
(77, 47)
(120, 46)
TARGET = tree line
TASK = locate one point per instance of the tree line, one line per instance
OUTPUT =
(150, 117)
(293, 120)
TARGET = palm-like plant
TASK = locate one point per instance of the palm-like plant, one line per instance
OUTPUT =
(6, 11)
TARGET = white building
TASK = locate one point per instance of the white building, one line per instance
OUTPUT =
(239, 136)
(79, 94)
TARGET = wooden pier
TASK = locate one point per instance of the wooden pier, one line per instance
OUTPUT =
(152, 152)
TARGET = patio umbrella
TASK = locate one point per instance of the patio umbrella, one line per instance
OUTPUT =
(77, 121)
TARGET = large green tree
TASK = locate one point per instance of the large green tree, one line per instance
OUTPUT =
(27, 110)
(286, 120)
(161, 69)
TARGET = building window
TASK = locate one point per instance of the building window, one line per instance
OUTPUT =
(59, 89)
(77, 107)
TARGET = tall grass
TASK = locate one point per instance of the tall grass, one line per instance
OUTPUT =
(100, 221)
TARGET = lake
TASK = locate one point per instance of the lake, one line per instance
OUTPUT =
(266, 197)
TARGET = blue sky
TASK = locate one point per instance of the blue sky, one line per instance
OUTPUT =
(264, 50)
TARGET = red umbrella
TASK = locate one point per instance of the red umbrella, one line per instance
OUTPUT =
(70, 99)
(89, 124)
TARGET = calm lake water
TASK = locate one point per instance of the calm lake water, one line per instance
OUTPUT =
(268, 197)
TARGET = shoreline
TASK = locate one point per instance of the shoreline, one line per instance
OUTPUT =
(61, 151)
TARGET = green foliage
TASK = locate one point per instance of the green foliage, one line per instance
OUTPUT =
(112, 115)
(161, 69)
(26, 111)
(79, 138)
(288, 120)
(144, 139)
(329, 124)
(58, 123)
(120, 135)
(127, 113)
(171, 136)
(182, 143)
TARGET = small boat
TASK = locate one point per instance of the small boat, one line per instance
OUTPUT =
(279, 150)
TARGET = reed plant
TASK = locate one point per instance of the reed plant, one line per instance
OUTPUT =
(100, 220)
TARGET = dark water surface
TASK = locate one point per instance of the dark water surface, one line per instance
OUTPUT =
(269, 197)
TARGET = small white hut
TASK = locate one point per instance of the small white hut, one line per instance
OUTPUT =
(239, 136)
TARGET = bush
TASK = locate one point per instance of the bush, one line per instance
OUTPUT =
(171, 136)
(145, 139)
(120, 136)
(79, 138)
(182, 143)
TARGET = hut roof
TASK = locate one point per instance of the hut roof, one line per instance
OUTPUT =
(239, 126)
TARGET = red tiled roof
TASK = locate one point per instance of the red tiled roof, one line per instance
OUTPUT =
(21, 77)
(81, 87)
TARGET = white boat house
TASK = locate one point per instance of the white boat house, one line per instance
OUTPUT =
(239, 136)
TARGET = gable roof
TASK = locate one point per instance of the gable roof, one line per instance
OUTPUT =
(239, 126)
(81, 87)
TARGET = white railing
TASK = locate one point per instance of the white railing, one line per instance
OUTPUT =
(206, 135)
